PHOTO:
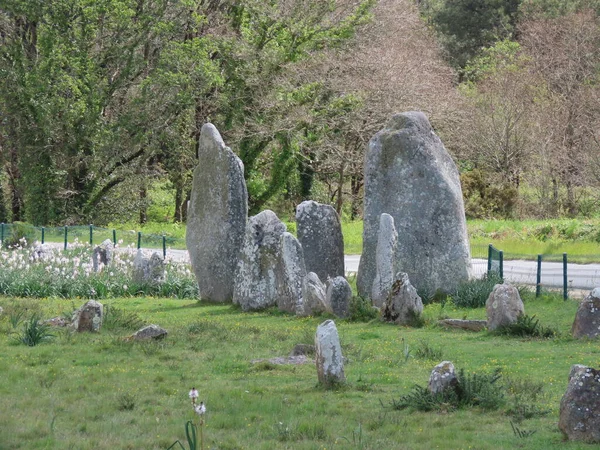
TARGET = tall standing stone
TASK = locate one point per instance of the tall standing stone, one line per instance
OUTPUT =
(338, 297)
(258, 280)
(385, 260)
(217, 215)
(410, 175)
(329, 359)
(320, 233)
(579, 417)
(292, 275)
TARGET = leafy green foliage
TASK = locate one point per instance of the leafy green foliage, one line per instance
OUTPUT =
(426, 351)
(120, 319)
(35, 332)
(361, 310)
(474, 293)
(485, 198)
(527, 326)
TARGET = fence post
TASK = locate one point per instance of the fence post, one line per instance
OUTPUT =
(565, 293)
(2, 232)
(538, 281)
(489, 258)
(114, 237)
(91, 234)
(164, 247)
(139, 240)
(43, 230)
(501, 260)
(66, 231)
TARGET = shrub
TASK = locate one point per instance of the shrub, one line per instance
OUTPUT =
(527, 326)
(115, 318)
(361, 310)
(426, 351)
(474, 293)
(35, 332)
(19, 235)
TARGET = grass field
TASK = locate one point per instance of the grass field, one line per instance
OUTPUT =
(97, 391)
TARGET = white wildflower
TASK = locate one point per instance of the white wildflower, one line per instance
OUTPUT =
(200, 409)
(124, 287)
(193, 395)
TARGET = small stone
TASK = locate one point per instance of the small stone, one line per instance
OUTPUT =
(89, 317)
(403, 304)
(102, 254)
(148, 270)
(471, 325)
(41, 252)
(503, 306)
(579, 417)
(57, 322)
(314, 294)
(329, 359)
(150, 332)
(442, 378)
(338, 297)
(587, 318)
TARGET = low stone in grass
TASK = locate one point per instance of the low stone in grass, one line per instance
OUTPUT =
(57, 322)
(442, 378)
(303, 349)
(503, 306)
(339, 294)
(587, 319)
(314, 294)
(89, 317)
(150, 332)
(579, 417)
(329, 359)
(403, 304)
(148, 270)
(102, 254)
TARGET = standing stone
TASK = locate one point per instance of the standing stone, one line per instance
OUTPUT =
(339, 294)
(503, 306)
(579, 417)
(329, 359)
(442, 378)
(410, 175)
(320, 233)
(102, 254)
(385, 260)
(258, 281)
(148, 270)
(217, 214)
(292, 275)
(88, 317)
(314, 294)
(587, 319)
(41, 252)
(403, 305)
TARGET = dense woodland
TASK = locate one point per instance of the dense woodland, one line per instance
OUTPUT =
(101, 101)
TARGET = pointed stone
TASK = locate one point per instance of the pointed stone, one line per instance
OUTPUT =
(385, 260)
(329, 359)
(292, 274)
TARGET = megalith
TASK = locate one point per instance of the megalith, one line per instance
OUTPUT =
(385, 260)
(88, 317)
(503, 306)
(587, 319)
(292, 275)
(258, 281)
(329, 359)
(338, 297)
(102, 254)
(442, 378)
(314, 294)
(217, 215)
(148, 270)
(579, 416)
(403, 305)
(320, 233)
(409, 175)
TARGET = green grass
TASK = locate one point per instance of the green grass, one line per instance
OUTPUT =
(98, 391)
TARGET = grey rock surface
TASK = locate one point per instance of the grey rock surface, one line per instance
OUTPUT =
(292, 273)
(410, 175)
(579, 417)
(339, 294)
(442, 378)
(329, 359)
(148, 270)
(403, 304)
(314, 294)
(470, 325)
(258, 282)
(320, 233)
(102, 254)
(150, 332)
(88, 317)
(217, 215)
(503, 306)
(41, 251)
(587, 319)
(385, 260)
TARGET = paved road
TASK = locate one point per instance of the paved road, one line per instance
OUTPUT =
(579, 276)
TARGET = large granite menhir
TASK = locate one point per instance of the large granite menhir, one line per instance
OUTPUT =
(410, 176)
(320, 233)
(216, 216)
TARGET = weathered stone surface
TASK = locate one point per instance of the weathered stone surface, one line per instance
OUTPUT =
(41, 251)
(471, 325)
(442, 378)
(339, 294)
(89, 317)
(403, 304)
(320, 233)
(579, 417)
(329, 359)
(57, 322)
(503, 306)
(258, 283)
(102, 254)
(385, 260)
(150, 332)
(292, 275)
(303, 349)
(294, 360)
(148, 270)
(410, 175)
(217, 215)
(587, 319)
(314, 294)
